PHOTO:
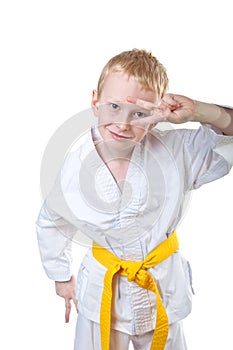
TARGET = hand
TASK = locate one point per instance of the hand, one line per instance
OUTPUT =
(172, 108)
(67, 290)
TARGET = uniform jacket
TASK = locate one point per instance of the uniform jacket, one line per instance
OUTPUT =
(86, 202)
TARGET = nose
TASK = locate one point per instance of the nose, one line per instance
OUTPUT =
(122, 126)
(123, 122)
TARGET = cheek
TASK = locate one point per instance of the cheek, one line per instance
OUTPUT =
(104, 120)
(139, 132)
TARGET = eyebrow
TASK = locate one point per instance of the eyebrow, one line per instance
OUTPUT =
(115, 99)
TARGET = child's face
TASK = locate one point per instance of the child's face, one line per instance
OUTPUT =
(115, 113)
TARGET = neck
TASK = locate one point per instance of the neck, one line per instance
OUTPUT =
(108, 152)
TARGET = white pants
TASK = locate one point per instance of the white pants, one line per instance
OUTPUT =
(88, 337)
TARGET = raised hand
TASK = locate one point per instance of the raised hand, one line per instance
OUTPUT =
(173, 108)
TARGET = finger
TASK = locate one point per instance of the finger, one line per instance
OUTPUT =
(68, 308)
(75, 301)
(169, 101)
(141, 103)
(147, 121)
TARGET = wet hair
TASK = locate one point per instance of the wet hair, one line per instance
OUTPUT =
(141, 65)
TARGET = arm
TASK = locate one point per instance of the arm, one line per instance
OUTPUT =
(179, 109)
(217, 116)
(55, 247)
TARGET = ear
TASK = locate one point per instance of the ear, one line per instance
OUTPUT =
(95, 103)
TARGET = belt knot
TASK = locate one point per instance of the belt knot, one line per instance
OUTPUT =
(131, 269)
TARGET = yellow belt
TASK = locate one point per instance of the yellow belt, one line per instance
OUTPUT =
(135, 271)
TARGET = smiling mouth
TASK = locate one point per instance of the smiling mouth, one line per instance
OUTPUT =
(119, 137)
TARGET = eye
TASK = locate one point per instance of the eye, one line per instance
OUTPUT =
(114, 106)
(139, 115)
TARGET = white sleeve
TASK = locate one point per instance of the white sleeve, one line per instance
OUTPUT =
(209, 156)
(224, 147)
(55, 244)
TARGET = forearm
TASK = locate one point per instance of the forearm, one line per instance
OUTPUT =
(55, 247)
(217, 116)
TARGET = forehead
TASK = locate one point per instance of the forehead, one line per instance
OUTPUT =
(119, 86)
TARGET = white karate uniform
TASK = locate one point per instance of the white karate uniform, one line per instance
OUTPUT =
(164, 168)
(121, 341)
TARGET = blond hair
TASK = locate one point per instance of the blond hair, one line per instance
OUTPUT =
(141, 65)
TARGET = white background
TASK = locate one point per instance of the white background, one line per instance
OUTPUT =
(52, 52)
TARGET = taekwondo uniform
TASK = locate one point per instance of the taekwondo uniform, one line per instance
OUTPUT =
(164, 168)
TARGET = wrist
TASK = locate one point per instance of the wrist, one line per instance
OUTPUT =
(204, 112)
(210, 114)
(63, 281)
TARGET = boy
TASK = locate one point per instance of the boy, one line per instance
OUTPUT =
(125, 188)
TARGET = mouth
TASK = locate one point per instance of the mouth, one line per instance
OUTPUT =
(119, 137)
